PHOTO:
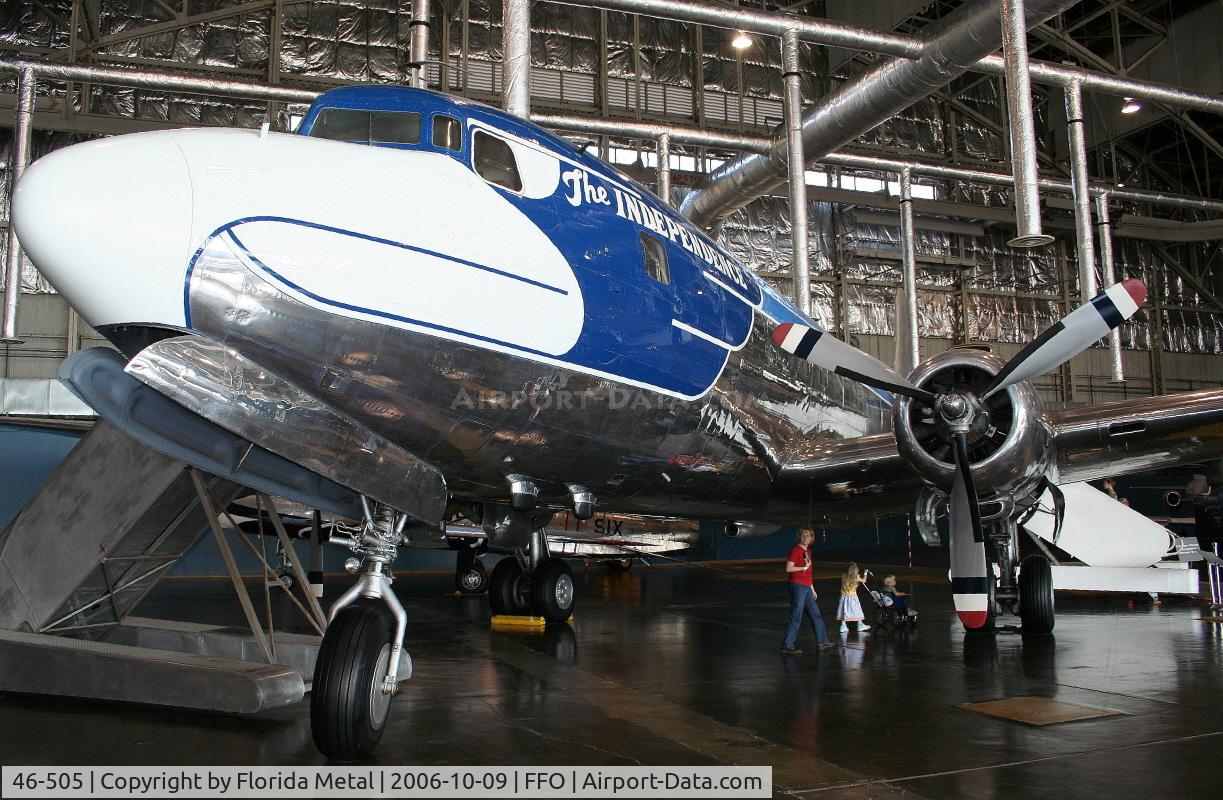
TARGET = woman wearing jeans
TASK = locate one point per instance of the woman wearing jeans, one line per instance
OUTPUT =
(802, 594)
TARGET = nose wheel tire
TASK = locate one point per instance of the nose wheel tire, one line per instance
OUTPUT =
(1036, 594)
(552, 590)
(472, 580)
(348, 709)
(509, 588)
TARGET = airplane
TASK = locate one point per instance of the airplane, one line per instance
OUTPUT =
(417, 309)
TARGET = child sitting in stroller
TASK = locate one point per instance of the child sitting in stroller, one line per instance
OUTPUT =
(900, 600)
(894, 608)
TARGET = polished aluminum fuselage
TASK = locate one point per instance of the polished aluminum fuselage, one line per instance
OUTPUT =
(479, 415)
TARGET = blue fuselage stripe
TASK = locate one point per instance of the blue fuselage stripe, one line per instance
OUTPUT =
(401, 246)
(372, 312)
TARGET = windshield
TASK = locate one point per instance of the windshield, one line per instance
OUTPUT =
(367, 127)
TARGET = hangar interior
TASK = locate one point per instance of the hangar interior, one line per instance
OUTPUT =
(1119, 176)
(599, 64)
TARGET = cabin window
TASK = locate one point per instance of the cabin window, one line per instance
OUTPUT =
(494, 161)
(447, 132)
(655, 256)
(367, 127)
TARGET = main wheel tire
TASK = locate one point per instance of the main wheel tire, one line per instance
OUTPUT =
(1036, 594)
(473, 580)
(348, 709)
(552, 593)
(509, 588)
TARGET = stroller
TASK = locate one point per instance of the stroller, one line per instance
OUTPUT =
(890, 613)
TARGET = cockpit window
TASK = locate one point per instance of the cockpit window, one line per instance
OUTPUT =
(447, 132)
(494, 161)
(367, 127)
(655, 256)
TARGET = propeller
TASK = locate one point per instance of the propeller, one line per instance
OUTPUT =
(963, 415)
(827, 351)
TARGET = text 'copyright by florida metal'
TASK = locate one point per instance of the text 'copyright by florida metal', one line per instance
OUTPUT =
(444, 782)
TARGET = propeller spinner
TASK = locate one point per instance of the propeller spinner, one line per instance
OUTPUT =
(961, 416)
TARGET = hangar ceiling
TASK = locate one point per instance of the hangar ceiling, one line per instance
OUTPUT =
(973, 287)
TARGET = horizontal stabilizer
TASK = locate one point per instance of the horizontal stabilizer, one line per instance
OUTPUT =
(1099, 530)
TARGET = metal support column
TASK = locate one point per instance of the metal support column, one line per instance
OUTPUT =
(1104, 227)
(418, 48)
(797, 171)
(663, 152)
(516, 66)
(1023, 134)
(21, 158)
(906, 302)
(1081, 193)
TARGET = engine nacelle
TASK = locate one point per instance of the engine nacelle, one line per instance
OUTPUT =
(1010, 450)
(750, 530)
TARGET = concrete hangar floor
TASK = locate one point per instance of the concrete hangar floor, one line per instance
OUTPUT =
(680, 666)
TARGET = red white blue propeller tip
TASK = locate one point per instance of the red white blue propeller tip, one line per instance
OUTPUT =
(1136, 289)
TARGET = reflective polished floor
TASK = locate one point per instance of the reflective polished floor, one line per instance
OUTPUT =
(681, 666)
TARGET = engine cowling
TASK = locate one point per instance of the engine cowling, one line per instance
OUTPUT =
(750, 530)
(1010, 444)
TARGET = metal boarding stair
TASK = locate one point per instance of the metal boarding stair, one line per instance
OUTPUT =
(109, 522)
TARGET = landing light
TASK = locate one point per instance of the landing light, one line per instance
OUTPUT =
(741, 41)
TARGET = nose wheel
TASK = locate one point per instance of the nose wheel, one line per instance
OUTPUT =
(348, 704)
(357, 672)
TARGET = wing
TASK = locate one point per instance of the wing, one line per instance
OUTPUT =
(1133, 436)
(861, 477)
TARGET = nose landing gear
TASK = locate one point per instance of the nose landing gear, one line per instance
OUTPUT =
(358, 667)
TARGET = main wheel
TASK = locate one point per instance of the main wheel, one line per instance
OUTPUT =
(552, 590)
(509, 588)
(473, 580)
(348, 708)
(1036, 594)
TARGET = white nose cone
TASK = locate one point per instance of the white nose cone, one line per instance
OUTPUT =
(109, 223)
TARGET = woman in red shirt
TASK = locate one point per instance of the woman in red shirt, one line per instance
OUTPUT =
(802, 594)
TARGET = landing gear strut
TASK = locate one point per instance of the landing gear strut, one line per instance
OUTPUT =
(1024, 588)
(533, 583)
(357, 672)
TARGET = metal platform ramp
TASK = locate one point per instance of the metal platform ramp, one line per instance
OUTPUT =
(111, 519)
(107, 524)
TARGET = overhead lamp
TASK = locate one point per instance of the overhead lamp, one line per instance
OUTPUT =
(741, 41)
(1131, 106)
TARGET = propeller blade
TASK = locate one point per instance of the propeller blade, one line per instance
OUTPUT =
(827, 351)
(969, 572)
(1072, 335)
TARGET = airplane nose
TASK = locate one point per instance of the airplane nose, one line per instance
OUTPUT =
(109, 223)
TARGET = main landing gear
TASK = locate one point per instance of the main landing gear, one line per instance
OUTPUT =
(357, 672)
(533, 583)
(1022, 587)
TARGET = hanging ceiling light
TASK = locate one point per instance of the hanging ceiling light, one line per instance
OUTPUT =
(1131, 106)
(741, 41)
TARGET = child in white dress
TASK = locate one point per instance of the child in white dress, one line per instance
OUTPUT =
(849, 609)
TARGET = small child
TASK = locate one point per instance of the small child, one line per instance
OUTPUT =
(900, 600)
(849, 609)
